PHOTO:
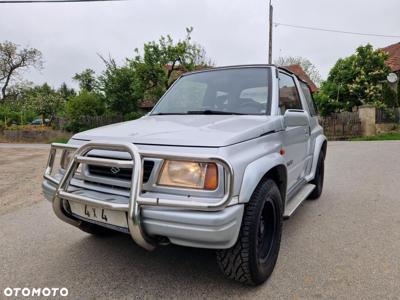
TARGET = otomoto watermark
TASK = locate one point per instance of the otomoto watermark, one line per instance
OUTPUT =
(35, 292)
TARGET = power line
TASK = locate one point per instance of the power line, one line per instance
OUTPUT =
(336, 31)
(52, 1)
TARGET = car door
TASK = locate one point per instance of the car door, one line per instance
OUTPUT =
(295, 138)
(314, 127)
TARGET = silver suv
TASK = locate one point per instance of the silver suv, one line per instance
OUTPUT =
(220, 161)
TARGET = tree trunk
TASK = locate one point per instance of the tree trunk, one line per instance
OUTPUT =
(3, 90)
(169, 74)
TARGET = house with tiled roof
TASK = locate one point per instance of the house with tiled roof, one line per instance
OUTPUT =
(394, 57)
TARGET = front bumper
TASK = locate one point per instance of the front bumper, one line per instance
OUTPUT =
(207, 223)
(212, 230)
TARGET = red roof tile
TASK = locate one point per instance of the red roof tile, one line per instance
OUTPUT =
(394, 56)
(146, 104)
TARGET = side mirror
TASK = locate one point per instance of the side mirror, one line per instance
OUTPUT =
(295, 117)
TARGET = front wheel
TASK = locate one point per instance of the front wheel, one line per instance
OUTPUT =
(318, 180)
(252, 259)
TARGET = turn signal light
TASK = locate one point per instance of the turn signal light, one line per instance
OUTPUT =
(211, 179)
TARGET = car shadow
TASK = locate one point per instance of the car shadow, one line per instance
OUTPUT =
(117, 267)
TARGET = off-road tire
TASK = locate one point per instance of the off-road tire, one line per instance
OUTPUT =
(252, 259)
(95, 229)
(318, 180)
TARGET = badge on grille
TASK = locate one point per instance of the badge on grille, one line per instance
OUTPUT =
(115, 170)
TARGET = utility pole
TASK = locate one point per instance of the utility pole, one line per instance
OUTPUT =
(270, 32)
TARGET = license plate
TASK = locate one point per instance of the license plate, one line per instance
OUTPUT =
(107, 216)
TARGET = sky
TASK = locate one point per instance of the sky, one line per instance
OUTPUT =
(70, 35)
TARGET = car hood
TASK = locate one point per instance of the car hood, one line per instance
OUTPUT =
(185, 130)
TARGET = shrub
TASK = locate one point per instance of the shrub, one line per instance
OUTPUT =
(389, 96)
(86, 104)
(133, 116)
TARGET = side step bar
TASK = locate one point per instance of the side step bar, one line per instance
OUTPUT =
(297, 200)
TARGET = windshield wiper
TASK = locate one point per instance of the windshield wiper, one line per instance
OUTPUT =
(167, 114)
(212, 112)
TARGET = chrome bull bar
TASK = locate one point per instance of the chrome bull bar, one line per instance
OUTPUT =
(135, 198)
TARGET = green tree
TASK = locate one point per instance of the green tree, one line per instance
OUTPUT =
(13, 60)
(66, 92)
(147, 75)
(45, 101)
(116, 83)
(353, 81)
(398, 92)
(86, 79)
(16, 108)
(162, 62)
(389, 95)
(85, 104)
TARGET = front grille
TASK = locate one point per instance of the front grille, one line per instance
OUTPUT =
(121, 173)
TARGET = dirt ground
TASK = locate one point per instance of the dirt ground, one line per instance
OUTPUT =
(21, 172)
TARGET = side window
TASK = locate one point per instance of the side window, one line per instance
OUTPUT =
(309, 98)
(288, 95)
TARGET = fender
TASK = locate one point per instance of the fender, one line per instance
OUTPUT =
(255, 171)
(317, 150)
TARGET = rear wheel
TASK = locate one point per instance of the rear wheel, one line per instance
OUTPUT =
(252, 259)
(318, 180)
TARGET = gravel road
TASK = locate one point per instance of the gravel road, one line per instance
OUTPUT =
(21, 172)
(343, 246)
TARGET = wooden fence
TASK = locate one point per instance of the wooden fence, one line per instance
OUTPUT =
(88, 121)
(387, 115)
(97, 121)
(341, 126)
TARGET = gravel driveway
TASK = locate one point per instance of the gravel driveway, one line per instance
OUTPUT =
(22, 168)
(346, 245)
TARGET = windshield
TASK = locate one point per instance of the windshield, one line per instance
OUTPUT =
(226, 91)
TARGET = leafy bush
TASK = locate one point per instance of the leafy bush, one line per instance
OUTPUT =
(398, 91)
(117, 86)
(389, 96)
(354, 81)
(84, 104)
(133, 116)
(325, 104)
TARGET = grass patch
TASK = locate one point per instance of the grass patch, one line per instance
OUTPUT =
(392, 136)
(61, 140)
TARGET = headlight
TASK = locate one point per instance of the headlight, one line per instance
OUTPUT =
(189, 175)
